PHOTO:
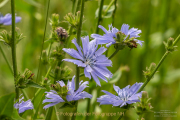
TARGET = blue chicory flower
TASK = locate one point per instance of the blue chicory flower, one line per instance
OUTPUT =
(91, 59)
(124, 96)
(108, 37)
(6, 20)
(23, 105)
(72, 94)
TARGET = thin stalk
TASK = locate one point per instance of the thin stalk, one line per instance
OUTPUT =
(78, 40)
(13, 47)
(149, 78)
(6, 60)
(159, 64)
(43, 39)
(109, 7)
(50, 110)
(88, 104)
(115, 52)
(73, 5)
(99, 16)
(46, 76)
(113, 15)
(23, 91)
(55, 108)
(49, 50)
(78, 5)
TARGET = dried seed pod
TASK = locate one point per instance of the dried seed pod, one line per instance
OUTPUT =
(62, 33)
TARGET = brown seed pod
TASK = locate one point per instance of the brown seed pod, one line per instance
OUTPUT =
(61, 33)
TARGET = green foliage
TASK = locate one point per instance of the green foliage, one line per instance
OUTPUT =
(105, 13)
(3, 3)
(6, 106)
(7, 38)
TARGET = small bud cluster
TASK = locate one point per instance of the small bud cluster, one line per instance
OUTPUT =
(6, 38)
(149, 70)
(144, 105)
(24, 79)
(62, 91)
(73, 20)
(169, 45)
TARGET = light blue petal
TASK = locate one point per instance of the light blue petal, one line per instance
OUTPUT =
(104, 29)
(73, 53)
(77, 62)
(124, 29)
(69, 98)
(108, 93)
(95, 78)
(87, 74)
(85, 43)
(77, 46)
(61, 83)
(134, 88)
(100, 51)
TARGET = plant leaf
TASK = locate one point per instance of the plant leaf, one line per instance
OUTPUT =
(15, 115)
(33, 84)
(6, 104)
(108, 14)
(3, 3)
(116, 76)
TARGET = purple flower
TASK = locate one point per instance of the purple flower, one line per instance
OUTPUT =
(110, 35)
(72, 94)
(124, 96)
(91, 59)
(52, 97)
(7, 19)
(23, 106)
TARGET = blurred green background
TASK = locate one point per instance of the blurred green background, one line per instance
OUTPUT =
(158, 20)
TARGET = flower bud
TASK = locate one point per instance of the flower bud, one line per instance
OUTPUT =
(120, 36)
(169, 45)
(149, 70)
(144, 95)
(54, 22)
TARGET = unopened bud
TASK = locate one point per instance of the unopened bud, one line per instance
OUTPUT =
(152, 67)
(144, 95)
(170, 42)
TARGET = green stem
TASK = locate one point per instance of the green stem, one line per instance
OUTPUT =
(23, 91)
(99, 16)
(49, 50)
(160, 62)
(57, 71)
(46, 76)
(6, 60)
(55, 108)
(73, 5)
(78, 5)
(115, 52)
(113, 15)
(88, 103)
(149, 78)
(108, 7)
(43, 40)
(78, 40)
(13, 47)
